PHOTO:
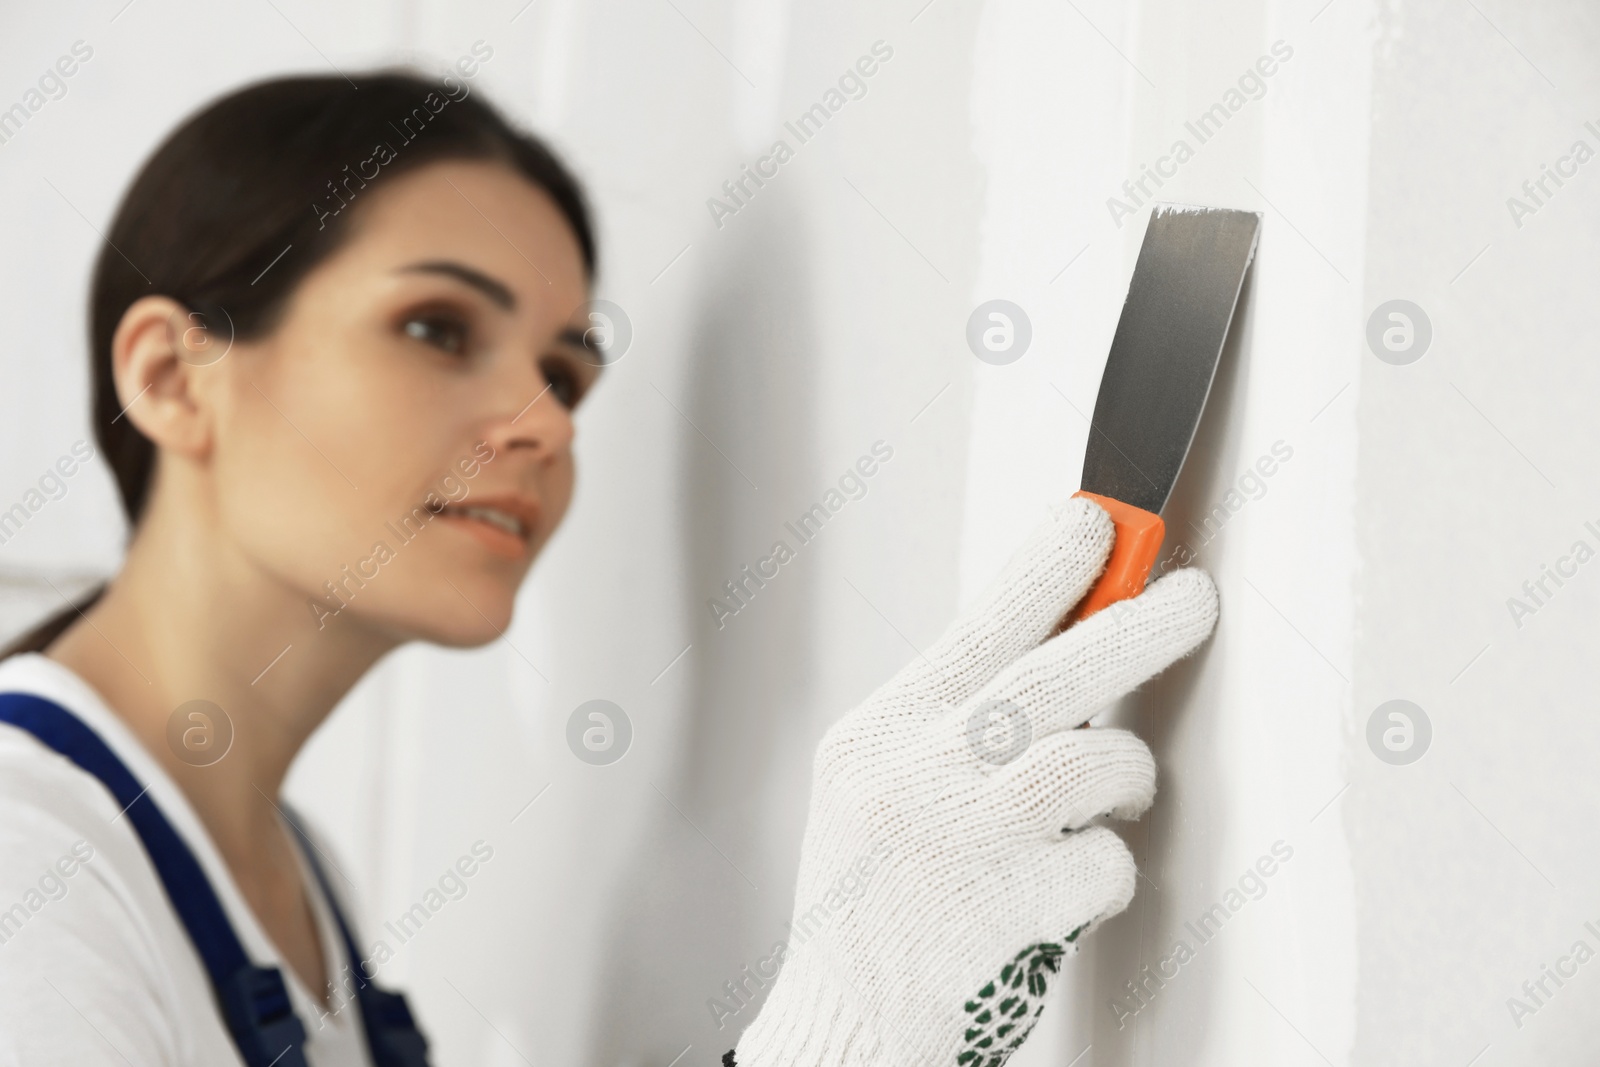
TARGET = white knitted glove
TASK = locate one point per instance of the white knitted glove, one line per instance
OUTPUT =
(948, 863)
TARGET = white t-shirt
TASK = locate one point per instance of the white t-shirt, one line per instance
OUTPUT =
(95, 966)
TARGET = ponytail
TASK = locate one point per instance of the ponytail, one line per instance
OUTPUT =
(44, 634)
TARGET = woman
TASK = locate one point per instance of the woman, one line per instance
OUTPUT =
(337, 338)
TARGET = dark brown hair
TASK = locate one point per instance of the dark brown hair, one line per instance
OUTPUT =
(248, 195)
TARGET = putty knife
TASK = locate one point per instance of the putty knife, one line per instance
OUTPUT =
(1164, 354)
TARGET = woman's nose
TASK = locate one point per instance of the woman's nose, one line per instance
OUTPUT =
(530, 419)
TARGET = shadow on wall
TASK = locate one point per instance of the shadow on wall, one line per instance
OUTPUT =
(683, 910)
(1176, 715)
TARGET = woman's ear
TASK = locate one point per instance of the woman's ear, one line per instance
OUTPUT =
(162, 358)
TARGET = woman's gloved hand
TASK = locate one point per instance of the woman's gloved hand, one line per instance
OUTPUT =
(948, 863)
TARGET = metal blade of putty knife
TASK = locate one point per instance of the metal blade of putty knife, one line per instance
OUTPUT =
(1185, 287)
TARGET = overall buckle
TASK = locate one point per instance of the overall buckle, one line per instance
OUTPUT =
(263, 1023)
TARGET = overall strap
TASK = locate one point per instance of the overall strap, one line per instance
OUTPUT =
(392, 1034)
(254, 1000)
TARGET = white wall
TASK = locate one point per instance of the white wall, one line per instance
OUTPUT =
(1479, 864)
(771, 352)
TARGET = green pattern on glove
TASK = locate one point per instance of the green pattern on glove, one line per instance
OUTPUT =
(1014, 1013)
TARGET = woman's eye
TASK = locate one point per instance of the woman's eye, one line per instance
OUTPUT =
(564, 384)
(442, 332)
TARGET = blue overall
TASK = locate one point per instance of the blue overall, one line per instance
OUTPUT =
(253, 1000)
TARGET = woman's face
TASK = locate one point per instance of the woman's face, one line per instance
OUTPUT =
(399, 448)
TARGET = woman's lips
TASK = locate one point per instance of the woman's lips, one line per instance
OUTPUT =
(504, 525)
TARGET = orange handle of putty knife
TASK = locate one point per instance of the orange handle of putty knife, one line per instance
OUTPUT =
(1139, 537)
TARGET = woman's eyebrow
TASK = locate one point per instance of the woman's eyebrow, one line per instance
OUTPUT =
(492, 288)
